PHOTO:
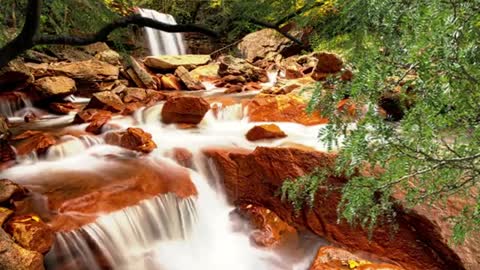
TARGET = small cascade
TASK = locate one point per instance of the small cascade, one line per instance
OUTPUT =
(15, 105)
(72, 145)
(161, 42)
(127, 238)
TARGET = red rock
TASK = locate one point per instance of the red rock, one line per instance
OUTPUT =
(15, 257)
(133, 138)
(333, 258)
(33, 141)
(262, 132)
(184, 109)
(7, 154)
(234, 79)
(15, 76)
(282, 108)
(347, 75)
(271, 230)
(183, 157)
(96, 118)
(67, 205)
(62, 108)
(171, 82)
(233, 89)
(30, 232)
(10, 191)
(107, 100)
(257, 176)
(328, 63)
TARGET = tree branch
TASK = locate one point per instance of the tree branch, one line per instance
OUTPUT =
(277, 28)
(297, 12)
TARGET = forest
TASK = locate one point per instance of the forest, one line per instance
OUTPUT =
(233, 134)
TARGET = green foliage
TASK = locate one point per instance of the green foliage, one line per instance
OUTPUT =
(427, 54)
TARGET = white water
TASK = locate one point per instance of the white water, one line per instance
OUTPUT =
(161, 42)
(165, 232)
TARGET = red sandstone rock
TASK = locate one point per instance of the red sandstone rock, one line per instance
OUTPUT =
(272, 231)
(107, 100)
(183, 157)
(328, 63)
(96, 118)
(30, 232)
(33, 141)
(333, 258)
(171, 82)
(133, 138)
(231, 89)
(184, 109)
(282, 108)
(261, 132)
(62, 108)
(256, 178)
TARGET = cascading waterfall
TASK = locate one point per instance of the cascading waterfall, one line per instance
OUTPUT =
(161, 42)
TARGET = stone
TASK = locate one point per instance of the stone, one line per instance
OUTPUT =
(96, 118)
(230, 65)
(328, 62)
(133, 138)
(232, 89)
(108, 101)
(109, 56)
(4, 129)
(171, 62)
(33, 141)
(206, 72)
(183, 157)
(132, 94)
(333, 258)
(59, 86)
(261, 132)
(145, 79)
(9, 191)
(171, 82)
(96, 48)
(271, 231)
(184, 109)
(282, 108)
(234, 79)
(63, 107)
(5, 214)
(255, 178)
(15, 76)
(38, 57)
(261, 44)
(7, 154)
(30, 232)
(91, 70)
(191, 83)
(14, 257)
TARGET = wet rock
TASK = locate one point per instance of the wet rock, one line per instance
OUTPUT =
(271, 230)
(183, 157)
(231, 89)
(4, 129)
(206, 72)
(191, 83)
(257, 176)
(171, 82)
(171, 62)
(90, 70)
(238, 67)
(9, 191)
(30, 232)
(262, 132)
(184, 109)
(15, 76)
(33, 141)
(62, 107)
(14, 257)
(333, 258)
(328, 62)
(266, 42)
(133, 138)
(133, 95)
(7, 154)
(145, 80)
(108, 101)
(5, 214)
(282, 108)
(96, 118)
(59, 86)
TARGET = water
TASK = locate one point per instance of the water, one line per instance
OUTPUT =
(161, 42)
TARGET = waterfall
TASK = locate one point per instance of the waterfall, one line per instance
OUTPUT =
(161, 42)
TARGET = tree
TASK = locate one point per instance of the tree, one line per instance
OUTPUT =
(426, 55)
(30, 36)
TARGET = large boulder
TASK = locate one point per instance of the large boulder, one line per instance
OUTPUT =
(266, 43)
(30, 232)
(90, 70)
(230, 65)
(206, 72)
(171, 82)
(143, 78)
(256, 177)
(14, 257)
(58, 86)
(184, 109)
(15, 76)
(133, 138)
(171, 62)
(261, 132)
